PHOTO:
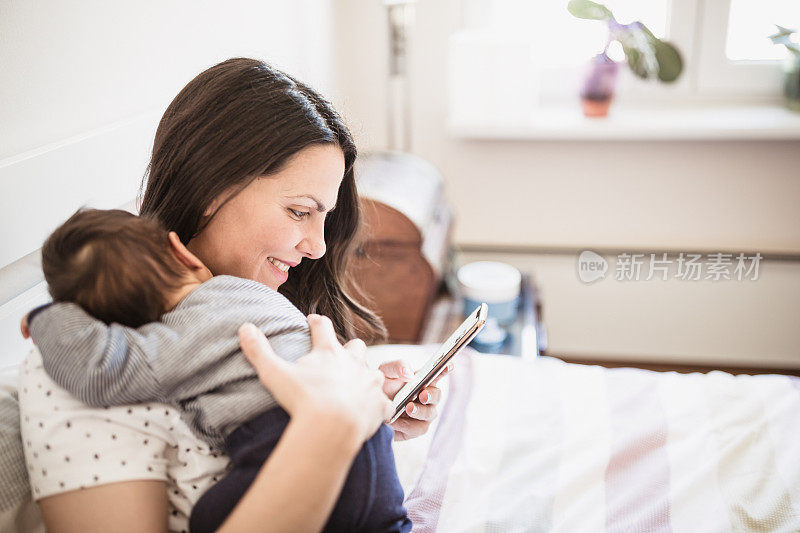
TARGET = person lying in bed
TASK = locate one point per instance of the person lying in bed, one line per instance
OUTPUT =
(140, 318)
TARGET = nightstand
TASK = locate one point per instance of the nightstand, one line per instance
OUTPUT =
(527, 335)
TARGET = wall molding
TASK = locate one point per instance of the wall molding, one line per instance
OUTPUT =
(102, 168)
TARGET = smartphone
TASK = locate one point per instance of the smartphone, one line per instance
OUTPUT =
(458, 340)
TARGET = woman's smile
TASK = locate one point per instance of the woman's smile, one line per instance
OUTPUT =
(280, 264)
(279, 269)
(261, 220)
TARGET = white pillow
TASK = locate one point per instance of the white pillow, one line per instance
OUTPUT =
(18, 512)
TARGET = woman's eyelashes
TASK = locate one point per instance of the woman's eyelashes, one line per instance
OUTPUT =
(299, 214)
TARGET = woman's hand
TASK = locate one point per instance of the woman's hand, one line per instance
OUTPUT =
(332, 381)
(419, 414)
(336, 403)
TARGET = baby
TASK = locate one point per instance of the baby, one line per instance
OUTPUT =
(137, 317)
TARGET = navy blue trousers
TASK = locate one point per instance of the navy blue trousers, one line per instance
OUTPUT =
(371, 499)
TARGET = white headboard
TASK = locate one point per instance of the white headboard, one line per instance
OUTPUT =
(84, 84)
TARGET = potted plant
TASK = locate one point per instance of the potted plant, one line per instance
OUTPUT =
(646, 55)
(791, 67)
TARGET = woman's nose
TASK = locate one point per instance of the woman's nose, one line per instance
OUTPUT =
(313, 243)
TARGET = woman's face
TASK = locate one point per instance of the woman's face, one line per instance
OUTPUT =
(276, 221)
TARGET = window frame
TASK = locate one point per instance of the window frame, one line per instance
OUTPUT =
(719, 76)
(699, 29)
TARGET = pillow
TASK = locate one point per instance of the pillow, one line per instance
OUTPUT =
(18, 512)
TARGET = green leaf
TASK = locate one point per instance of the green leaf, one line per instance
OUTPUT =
(670, 63)
(783, 36)
(638, 50)
(585, 9)
(651, 39)
(636, 61)
(668, 57)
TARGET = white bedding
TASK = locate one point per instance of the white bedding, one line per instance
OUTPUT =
(551, 446)
(17, 510)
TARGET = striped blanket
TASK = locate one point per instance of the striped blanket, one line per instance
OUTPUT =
(549, 446)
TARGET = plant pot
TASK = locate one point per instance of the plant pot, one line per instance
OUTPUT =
(596, 108)
(598, 86)
(791, 82)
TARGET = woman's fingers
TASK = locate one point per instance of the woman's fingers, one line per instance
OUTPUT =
(323, 335)
(421, 412)
(330, 381)
(406, 427)
(418, 414)
(430, 396)
(388, 409)
(396, 374)
(273, 371)
(358, 349)
(356, 344)
(396, 370)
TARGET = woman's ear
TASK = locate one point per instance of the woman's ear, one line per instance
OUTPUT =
(186, 258)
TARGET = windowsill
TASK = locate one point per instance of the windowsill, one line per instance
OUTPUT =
(720, 122)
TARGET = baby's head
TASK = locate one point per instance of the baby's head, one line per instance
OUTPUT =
(119, 267)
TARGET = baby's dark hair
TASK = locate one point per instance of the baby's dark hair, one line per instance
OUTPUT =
(116, 265)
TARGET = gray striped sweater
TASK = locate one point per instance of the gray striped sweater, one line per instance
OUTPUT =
(190, 359)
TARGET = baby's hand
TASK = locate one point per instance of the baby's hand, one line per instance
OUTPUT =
(23, 328)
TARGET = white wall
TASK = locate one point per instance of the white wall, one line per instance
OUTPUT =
(72, 67)
(711, 323)
(82, 87)
(84, 83)
(618, 195)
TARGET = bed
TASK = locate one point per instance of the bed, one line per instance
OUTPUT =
(544, 445)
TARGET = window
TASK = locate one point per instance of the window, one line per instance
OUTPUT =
(511, 55)
(734, 56)
(536, 49)
(559, 39)
(749, 24)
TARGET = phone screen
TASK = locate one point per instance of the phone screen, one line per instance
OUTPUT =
(433, 367)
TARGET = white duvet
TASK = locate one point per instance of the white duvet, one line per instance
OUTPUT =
(549, 446)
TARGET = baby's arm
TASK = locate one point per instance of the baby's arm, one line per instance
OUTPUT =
(99, 364)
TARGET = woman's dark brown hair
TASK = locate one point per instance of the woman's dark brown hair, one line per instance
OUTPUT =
(240, 120)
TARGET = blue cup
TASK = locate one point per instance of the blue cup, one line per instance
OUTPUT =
(504, 312)
(497, 284)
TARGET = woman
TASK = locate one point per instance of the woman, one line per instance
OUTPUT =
(254, 171)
